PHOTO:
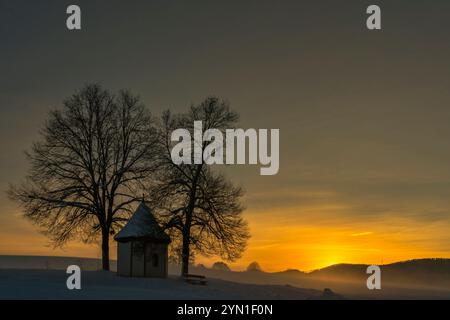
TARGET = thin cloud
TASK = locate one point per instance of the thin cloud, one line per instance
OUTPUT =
(361, 234)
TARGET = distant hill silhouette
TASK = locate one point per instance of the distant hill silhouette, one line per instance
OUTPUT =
(431, 272)
(292, 272)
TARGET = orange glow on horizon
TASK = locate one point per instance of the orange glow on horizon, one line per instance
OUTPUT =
(287, 245)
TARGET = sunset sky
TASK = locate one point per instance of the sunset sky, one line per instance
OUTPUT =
(364, 116)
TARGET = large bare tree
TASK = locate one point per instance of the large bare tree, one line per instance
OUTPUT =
(88, 167)
(200, 207)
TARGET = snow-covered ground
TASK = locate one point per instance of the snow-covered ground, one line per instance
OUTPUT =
(40, 277)
(51, 284)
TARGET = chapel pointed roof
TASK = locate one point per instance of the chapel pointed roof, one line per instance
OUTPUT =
(142, 225)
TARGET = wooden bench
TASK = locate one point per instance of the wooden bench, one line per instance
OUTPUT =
(195, 279)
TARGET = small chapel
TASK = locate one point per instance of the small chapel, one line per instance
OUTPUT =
(142, 246)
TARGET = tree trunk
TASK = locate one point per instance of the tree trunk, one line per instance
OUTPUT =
(105, 250)
(187, 225)
(185, 256)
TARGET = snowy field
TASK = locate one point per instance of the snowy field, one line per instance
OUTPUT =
(40, 277)
(51, 284)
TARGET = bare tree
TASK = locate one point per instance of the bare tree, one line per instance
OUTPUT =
(199, 206)
(88, 167)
